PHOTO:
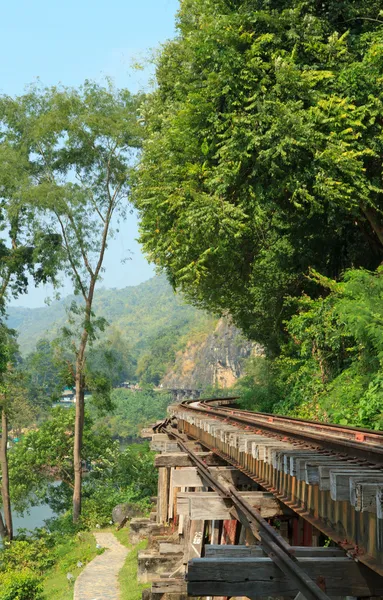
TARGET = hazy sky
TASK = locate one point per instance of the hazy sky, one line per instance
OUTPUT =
(68, 42)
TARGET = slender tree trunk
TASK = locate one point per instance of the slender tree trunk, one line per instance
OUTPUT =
(78, 431)
(3, 530)
(5, 476)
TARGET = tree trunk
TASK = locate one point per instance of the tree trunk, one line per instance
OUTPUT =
(3, 530)
(5, 476)
(78, 430)
(375, 220)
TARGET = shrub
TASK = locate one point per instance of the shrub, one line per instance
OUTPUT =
(20, 585)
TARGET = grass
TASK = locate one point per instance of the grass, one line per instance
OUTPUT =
(80, 548)
(129, 586)
(83, 548)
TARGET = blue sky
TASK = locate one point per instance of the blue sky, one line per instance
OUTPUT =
(68, 42)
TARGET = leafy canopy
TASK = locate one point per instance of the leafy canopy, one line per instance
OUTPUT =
(263, 153)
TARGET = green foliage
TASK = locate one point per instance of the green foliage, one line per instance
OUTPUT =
(30, 554)
(20, 585)
(45, 455)
(331, 367)
(132, 411)
(263, 154)
(160, 354)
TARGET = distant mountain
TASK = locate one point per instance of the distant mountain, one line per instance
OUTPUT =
(138, 312)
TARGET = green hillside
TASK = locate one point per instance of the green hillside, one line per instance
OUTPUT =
(139, 313)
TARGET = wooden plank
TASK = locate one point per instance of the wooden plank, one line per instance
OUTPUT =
(379, 504)
(340, 482)
(193, 545)
(209, 505)
(181, 459)
(163, 495)
(164, 446)
(324, 475)
(170, 585)
(300, 464)
(312, 469)
(215, 531)
(153, 564)
(365, 494)
(357, 499)
(187, 476)
(258, 577)
(169, 548)
(212, 550)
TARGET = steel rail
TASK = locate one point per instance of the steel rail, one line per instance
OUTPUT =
(274, 545)
(284, 427)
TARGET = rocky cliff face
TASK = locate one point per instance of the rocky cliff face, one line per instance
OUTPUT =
(214, 359)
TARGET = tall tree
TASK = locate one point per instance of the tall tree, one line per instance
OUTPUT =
(80, 145)
(264, 152)
(25, 251)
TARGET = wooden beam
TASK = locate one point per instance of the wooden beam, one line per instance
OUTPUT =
(212, 550)
(164, 446)
(163, 495)
(181, 459)
(170, 548)
(210, 506)
(340, 481)
(189, 477)
(153, 564)
(169, 586)
(257, 577)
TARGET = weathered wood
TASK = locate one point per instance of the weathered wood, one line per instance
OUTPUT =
(169, 586)
(209, 505)
(193, 545)
(181, 459)
(164, 446)
(140, 529)
(215, 531)
(340, 482)
(324, 474)
(153, 564)
(366, 497)
(163, 494)
(169, 548)
(212, 550)
(189, 477)
(379, 503)
(301, 462)
(361, 498)
(257, 576)
(312, 468)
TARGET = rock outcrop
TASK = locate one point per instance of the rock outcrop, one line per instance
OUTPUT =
(214, 359)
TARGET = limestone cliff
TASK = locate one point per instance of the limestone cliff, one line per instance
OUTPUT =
(214, 359)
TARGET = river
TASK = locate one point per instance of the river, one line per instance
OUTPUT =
(36, 517)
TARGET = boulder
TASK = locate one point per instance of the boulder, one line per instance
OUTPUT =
(124, 512)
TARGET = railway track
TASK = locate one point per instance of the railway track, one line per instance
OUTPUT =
(348, 441)
(330, 475)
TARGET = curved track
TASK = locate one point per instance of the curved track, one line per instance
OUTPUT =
(355, 442)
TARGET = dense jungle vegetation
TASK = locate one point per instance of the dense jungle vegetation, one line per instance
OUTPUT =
(260, 191)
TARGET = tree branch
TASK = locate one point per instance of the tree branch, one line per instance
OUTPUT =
(70, 257)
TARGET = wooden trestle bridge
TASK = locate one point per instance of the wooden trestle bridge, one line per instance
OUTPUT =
(258, 505)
